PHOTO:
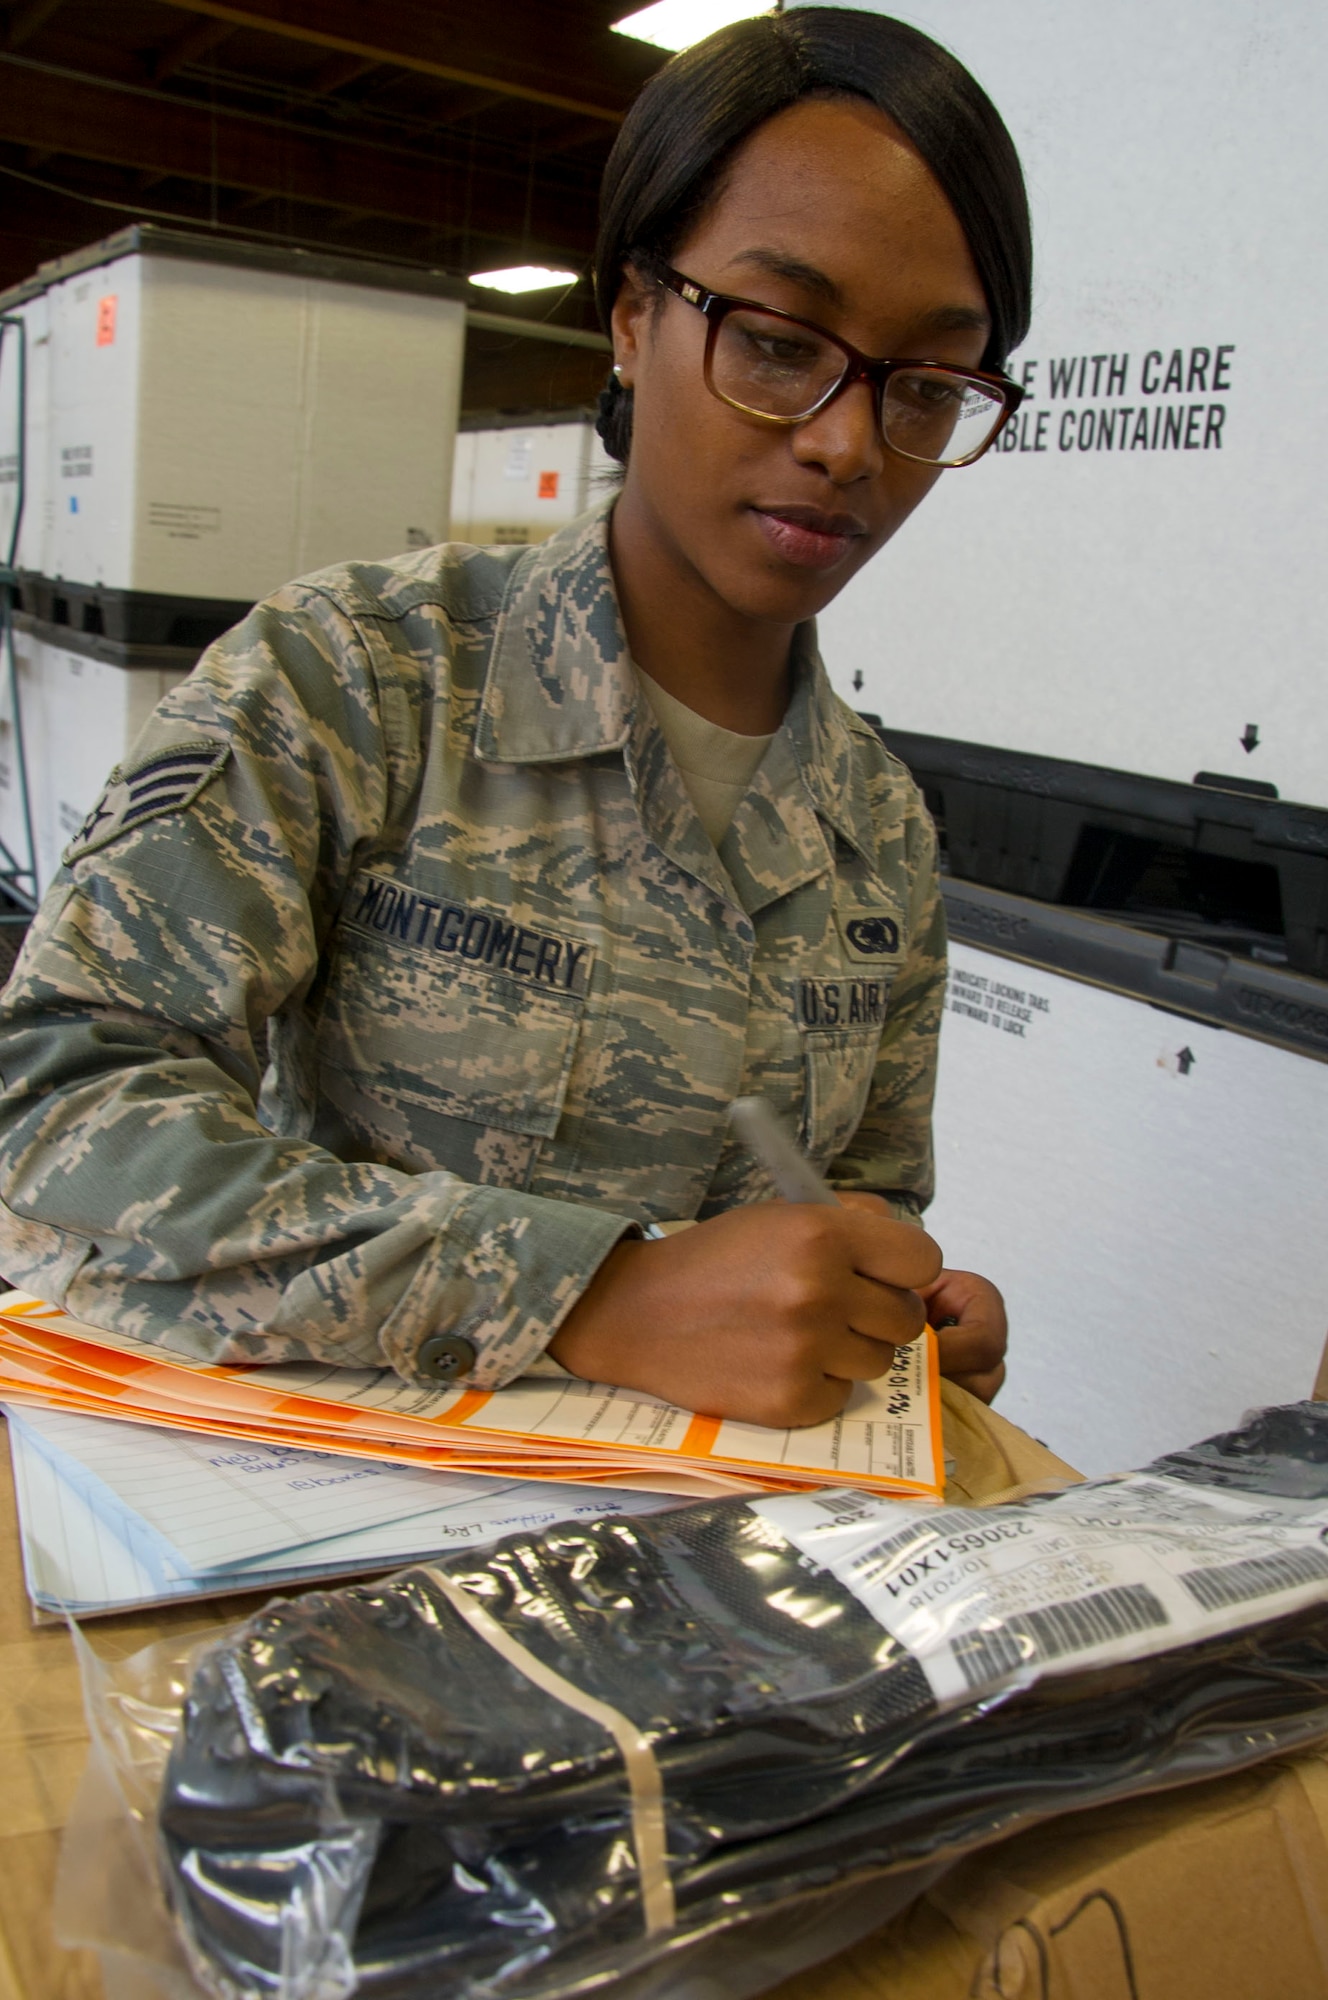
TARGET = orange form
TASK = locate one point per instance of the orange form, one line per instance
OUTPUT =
(887, 1439)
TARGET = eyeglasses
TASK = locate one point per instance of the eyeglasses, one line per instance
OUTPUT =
(772, 365)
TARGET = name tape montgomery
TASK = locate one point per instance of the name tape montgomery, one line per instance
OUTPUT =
(401, 916)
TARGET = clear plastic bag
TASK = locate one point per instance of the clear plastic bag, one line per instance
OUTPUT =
(449, 1783)
(111, 1894)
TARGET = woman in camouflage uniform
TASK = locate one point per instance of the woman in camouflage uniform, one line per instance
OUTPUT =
(412, 963)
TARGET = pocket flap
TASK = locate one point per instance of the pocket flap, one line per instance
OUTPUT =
(460, 1040)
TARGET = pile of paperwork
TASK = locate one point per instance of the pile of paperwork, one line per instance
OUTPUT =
(115, 1515)
(887, 1439)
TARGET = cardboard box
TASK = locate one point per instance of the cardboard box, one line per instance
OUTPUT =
(83, 703)
(521, 482)
(223, 418)
(1215, 1892)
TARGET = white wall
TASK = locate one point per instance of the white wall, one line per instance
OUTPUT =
(1136, 608)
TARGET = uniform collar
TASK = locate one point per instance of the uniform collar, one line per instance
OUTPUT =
(560, 686)
(560, 683)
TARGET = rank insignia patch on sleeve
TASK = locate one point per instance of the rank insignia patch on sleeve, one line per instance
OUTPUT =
(166, 781)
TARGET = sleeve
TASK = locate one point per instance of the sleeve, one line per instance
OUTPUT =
(139, 1186)
(890, 1153)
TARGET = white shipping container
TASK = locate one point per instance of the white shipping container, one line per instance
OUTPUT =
(1137, 577)
(1147, 1191)
(522, 482)
(217, 427)
(80, 714)
(38, 505)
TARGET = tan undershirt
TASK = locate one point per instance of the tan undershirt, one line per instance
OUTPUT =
(717, 764)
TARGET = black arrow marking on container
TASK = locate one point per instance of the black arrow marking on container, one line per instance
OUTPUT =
(1186, 1060)
(1250, 740)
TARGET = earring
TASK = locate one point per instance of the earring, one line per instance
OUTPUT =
(617, 375)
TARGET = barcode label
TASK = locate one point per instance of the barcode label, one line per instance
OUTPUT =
(1032, 1637)
(880, 1555)
(987, 1598)
(846, 1506)
(1257, 1576)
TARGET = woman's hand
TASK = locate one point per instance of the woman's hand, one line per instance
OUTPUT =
(768, 1314)
(969, 1316)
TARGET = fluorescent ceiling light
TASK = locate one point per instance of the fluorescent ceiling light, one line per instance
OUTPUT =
(676, 24)
(523, 278)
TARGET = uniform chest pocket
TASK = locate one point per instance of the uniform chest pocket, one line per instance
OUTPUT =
(438, 1034)
(840, 1022)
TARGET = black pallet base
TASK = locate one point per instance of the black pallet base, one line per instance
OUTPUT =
(1221, 988)
(128, 617)
(1229, 868)
(14, 920)
(109, 652)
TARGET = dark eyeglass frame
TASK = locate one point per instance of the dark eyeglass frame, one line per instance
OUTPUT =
(859, 367)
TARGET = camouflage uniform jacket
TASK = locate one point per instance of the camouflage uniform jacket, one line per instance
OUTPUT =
(407, 850)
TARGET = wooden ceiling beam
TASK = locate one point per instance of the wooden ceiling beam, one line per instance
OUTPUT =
(173, 136)
(430, 39)
(49, 223)
(25, 20)
(567, 138)
(337, 72)
(188, 47)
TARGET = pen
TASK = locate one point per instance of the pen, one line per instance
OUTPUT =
(788, 1167)
(769, 1144)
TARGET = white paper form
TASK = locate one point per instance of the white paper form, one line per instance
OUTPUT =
(71, 1560)
(75, 1561)
(217, 1501)
(86, 1546)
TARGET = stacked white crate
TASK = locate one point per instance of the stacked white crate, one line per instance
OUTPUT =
(219, 427)
(204, 422)
(1088, 591)
(523, 479)
(1148, 1191)
(83, 702)
(26, 346)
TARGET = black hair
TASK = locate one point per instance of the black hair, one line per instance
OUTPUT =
(668, 161)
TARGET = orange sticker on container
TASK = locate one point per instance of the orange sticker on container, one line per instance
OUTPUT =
(548, 486)
(106, 320)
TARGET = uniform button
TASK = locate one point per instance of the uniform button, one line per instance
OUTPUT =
(444, 1357)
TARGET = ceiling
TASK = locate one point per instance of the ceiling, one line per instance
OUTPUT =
(438, 133)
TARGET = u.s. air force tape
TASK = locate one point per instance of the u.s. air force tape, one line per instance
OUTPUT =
(165, 781)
